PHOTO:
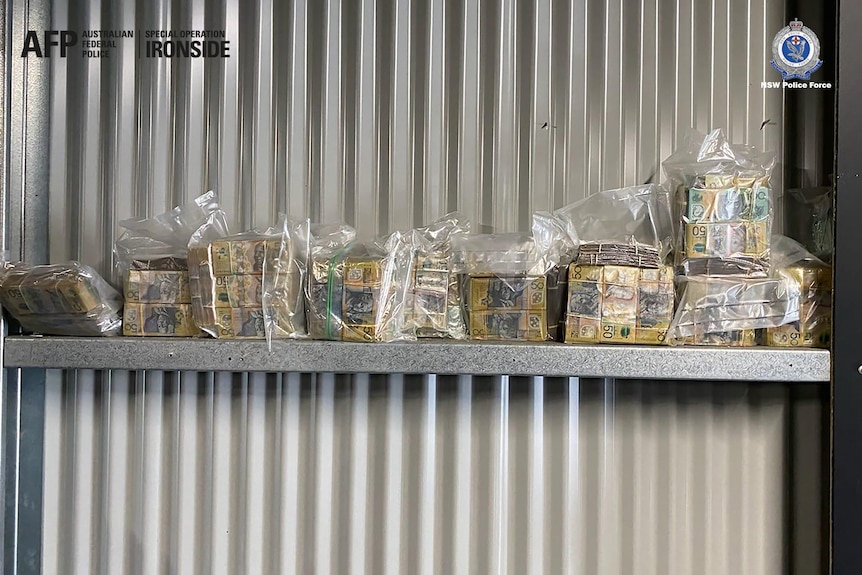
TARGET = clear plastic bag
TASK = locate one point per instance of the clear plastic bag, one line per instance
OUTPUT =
(813, 279)
(247, 285)
(359, 290)
(152, 255)
(711, 307)
(619, 304)
(434, 302)
(625, 227)
(513, 286)
(150, 243)
(61, 299)
(724, 206)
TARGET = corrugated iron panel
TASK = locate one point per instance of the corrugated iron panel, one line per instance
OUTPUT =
(304, 473)
(384, 113)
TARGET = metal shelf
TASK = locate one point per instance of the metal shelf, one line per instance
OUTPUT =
(440, 357)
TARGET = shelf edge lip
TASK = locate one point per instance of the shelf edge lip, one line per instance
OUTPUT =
(759, 364)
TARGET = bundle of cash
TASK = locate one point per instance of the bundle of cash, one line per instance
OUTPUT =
(325, 291)
(525, 325)
(727, 225)
(157, 286)
(159, 320)
(814, 328)
(618, 254)
(240, 322)
(231, 278)
(65, 299)
(619, 304)
(361, 298)
(519, 307)
(163, 264)
(739, 338)
(746, 240)
(158, 297)
(433, 300)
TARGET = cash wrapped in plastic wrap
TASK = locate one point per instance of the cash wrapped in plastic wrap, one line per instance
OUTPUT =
(359, 290)
(434, 302)
(722, 310)
(152, 256)
(813, 278)
(248, 285)
(619, 304)
(61, 299)
(513, 286)
(625, 227)
(724, 206)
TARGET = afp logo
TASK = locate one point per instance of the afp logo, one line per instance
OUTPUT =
(64, 39)
(796, 51)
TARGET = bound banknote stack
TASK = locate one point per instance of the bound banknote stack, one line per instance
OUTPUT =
(227, 285)
(727, 225)
(158, 300)
(814, 328)
(727, 233)
(515, 307)
(347, 300)
(618, 254)
(64, 299)
(619, 304)
(434, 301)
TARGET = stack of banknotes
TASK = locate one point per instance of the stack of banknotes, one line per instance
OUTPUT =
(514, 307)
(346, 301)
(727, 225)
(325, 291)
(158, 300)
(619, 304)
(64, 299)
(618, 254)
(226, 279)
(434, 302)
(814, 327)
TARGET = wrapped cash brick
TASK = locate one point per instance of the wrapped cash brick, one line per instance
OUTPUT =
(152, 257)
(619, 304)
(513, 286)
(724, 206)
(63, 299)
(813, 279)
(434, 302)
(249, 285)
(625, 227)
(723, 310)
(358, 290)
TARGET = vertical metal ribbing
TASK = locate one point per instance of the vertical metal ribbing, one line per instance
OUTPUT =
(359, 475)
(537, 526)
(368, 147)
(428, 505)
(289, 548)
(400, 109)
(505, 132)
(264, 117)
(332, 143)
(436, 142)
(392, 529)
(461, 533)
(324, 560)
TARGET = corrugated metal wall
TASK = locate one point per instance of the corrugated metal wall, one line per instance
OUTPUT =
(386, 114)
(214, 473)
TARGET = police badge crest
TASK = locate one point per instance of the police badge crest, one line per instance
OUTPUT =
(796, 51)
